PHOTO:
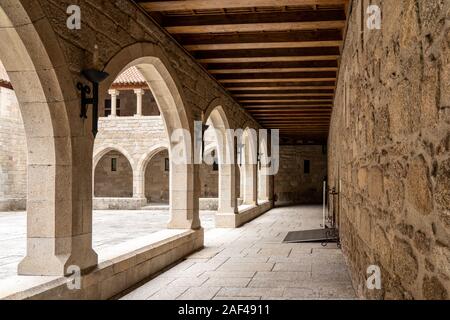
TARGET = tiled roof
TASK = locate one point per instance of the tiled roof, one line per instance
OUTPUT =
(3, 75)
(130, 76)
(4, 78)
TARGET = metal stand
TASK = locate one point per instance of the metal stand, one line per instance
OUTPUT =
(325, 235)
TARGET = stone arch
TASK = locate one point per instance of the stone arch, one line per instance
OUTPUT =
(57, 142)
(141, 168)
(98, 154)
(108, 184)
(226, 156)
(163, 81)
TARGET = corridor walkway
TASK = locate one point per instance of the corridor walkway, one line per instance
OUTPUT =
(251, 262)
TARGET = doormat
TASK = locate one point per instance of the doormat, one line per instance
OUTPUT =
(318, 235)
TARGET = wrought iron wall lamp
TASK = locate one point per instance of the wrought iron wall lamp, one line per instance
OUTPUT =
(95, 77)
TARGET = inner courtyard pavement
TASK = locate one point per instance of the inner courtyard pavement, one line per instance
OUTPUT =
(251, 262)
(110, 229)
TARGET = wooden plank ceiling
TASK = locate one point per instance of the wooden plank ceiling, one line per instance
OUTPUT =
(278, 58)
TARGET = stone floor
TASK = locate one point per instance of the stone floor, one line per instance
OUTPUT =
(109, 228)
(252, 263)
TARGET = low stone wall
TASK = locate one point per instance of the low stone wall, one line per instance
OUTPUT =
(13, 204)
(210, 204)
(118, 203)
(111, 277)
(245, 215)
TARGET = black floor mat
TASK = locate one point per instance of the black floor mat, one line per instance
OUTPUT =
(318, 235)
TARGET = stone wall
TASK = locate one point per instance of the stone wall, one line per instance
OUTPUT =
(209, 181)
(292, 184)
(13, 153)
(109, 183)
(389, 149)
(134, 135)
(157, 179)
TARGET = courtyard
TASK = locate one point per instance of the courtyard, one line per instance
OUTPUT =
(110, 228)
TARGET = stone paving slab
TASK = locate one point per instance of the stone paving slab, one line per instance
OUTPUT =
(252, 262)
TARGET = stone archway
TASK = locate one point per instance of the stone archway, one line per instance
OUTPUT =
(167, 90)
(59, 165)
(141, 173)
(113, 175)
(156, 178)
(217, 117)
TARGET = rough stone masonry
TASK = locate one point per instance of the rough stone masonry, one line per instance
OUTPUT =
(389, 149)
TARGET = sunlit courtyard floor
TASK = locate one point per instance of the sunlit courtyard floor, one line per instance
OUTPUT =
(110, 227)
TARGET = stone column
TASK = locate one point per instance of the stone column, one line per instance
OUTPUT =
(139, 93)
(184, 187)
(138, 189)
(229, 184)
(250, 184)
(265, 192)
(184, 196)
(114, 94)
(59, 205)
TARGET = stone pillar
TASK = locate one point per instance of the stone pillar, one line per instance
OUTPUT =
(139, 189)
(59, 206)
(184, 196)
(265, 191)
(250, 184)
(229, 184)
(114, 94)
(139, 93)
(138, 185)
(185, 185)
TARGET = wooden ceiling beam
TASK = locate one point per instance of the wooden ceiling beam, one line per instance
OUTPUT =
(280, 89)
(263, 45)
(290, 106)
(273, 80)
(339, 24)
(268, 59)
(268, 53)
(274, 70)
(276, 95)
(273, 65)
(227, 4)
(254, 22)
(191, 41)
(315, 102)
(325, 113)
(296, 117)
(282, 85)
(287, 104)
(280, 121)
(277, 75)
